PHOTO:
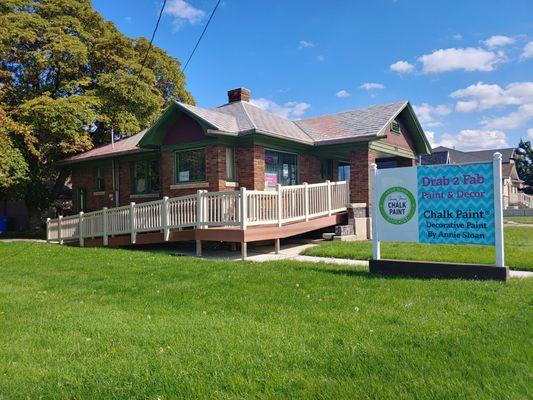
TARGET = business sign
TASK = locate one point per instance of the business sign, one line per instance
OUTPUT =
(435, 204)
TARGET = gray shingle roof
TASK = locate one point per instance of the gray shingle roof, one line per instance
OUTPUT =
(242, 117)
(458, 157)
(355, 123)
(437, 157)
(126, 145)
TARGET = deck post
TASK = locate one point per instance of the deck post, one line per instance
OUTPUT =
(280, 205)
(132, 223)
(47, 230)
(306, 201)
(164, 219)
(277, 245)
(328, 186)
(244, 250)
(104, 226)
(498, 209)
(59, 220)
(80, 229)
(198, 248)
(199, 206)
(244, 208)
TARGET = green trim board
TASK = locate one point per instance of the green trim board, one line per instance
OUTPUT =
(392, 150)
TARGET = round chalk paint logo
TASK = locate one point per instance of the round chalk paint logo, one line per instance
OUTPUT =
(397, 205)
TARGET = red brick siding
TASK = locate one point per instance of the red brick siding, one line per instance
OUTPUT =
(360, 160)
(250, 163)
(215, 159)
(85, 177)
(403, 140)
(309, 169)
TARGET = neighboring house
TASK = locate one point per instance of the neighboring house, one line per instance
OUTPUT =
(241, 145)
(511, 183)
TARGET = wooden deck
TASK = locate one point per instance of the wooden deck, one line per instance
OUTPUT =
(231, 234)
(236, 217)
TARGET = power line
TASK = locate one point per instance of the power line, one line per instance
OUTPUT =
(152, 39)
(201, 36)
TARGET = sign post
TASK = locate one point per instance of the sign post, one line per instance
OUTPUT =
(454, 204)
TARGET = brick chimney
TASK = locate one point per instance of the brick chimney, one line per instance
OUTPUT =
(239, 94)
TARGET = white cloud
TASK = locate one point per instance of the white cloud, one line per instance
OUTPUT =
(457, 36)
(289, 110)
(372, 86)
(320, 58)
(428, 114)
(466, 106)
(498, 41)
(513, 120)
(402, 67)
(467, 59)
(342, 93)
(528, 51)
(304, 44)
(530, 133)
(485, 96)
(182, 12)
(474, 139)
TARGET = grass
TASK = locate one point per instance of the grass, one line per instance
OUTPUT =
(102, 323)
(520, 220)
(518, 250)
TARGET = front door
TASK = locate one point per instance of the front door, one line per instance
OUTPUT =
(82, 199)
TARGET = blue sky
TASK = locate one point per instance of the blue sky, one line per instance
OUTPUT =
(466, 66)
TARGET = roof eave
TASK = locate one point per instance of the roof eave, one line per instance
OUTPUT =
(102, 156)
(348, 139)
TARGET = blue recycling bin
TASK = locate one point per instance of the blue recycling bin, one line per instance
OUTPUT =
(5, 223)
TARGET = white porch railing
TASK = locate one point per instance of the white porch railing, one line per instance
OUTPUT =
(205, 209)
(521, 199)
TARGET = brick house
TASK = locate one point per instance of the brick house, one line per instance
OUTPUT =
(240, 145)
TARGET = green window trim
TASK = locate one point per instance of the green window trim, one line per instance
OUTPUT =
(100, 180)
(190, 166)
(145, 177)
(395, 127)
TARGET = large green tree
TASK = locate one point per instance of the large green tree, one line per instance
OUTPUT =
(68, 78)
(524, 164)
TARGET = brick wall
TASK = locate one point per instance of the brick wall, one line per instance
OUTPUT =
(360, 160)
(215, 169)
(85, 177)
(309, 169)
(250, 167)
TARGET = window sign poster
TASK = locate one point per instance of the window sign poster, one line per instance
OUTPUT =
(184, 176)
(285, 171)
(271, 179)
(436, 204)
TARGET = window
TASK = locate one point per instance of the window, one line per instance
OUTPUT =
(280, 168)
(344, 171)
(325, 169)
(230, 164)
(190, 166)
(395, 127)
(146, 177)
(100, 181)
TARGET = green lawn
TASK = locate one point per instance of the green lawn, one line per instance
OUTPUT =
(101, 323)
(520, 220)
(518, 250)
